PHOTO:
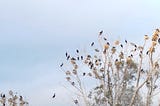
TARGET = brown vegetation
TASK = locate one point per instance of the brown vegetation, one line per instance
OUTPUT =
(121, 72)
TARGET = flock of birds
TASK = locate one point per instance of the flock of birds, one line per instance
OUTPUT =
(78, 58)
(92, 44)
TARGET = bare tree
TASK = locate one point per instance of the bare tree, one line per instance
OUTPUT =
(12, 99)
(120, 71)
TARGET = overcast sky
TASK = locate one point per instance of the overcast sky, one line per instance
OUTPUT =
(35, 34)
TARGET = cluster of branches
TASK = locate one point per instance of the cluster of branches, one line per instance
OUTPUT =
(122, 71)
(12, 99)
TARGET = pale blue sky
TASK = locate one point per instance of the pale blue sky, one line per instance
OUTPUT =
(34, 35)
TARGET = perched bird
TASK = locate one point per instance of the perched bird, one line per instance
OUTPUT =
(125, 41)
(73, 83)
(159, 40)
(73, 58)
(77, 58)
(100, 33)
(61, 65)
(77, 51)
(66, 54)
(135, 46)
(105, 38)
(108, 43)
(147, 52)
(96, 50)
(54, 95)
(68, 57)
(91, 66)
(92, 43)
(20, 98)
(142, 71)
(121, 46)
(84, 74)
(76, 101)
(3, 96)
(81, 57)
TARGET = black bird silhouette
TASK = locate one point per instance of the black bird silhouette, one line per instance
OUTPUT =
(96, 50)
(92, 43)
(76, 101)
(147, 52)
(73, 58)
(61, 65)
(100, 33)
(142, 71)
(105, 38)
(20, 98)
(68, 57)
(81, 57)
(54, 95)
(108, 43)
(159, 40)
(125, 41)
(73, 83)
(77, 51)
(121, 45)
(3, 96)
(66, 54)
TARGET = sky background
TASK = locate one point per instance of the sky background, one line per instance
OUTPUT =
(35, 34)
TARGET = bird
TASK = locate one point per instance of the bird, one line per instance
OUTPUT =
(66, 54)
(73, 58)
(96, 50)
(121, 46)
(125, 41)
(100, 33)
(91, 66)
(105, 38)
(142, 71)
(77, 58)
(61, 65)
(159, 40)
(84, 74)
(3, 96)
(73, 83)
(135, 46)
(81, 57)
(77, 51)
(147, 52)
(92, 43)
(20, 98)
(54, 95)
(108, 43)
(68, 57)
(76, 101)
